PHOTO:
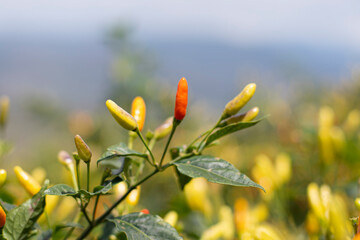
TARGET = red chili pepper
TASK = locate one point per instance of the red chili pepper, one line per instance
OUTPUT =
(181, 99)
(2, 217)
(145, 211)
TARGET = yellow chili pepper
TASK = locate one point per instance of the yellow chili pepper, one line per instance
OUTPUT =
(4, 109)
(164, 129)
(39, 174)
(2, 177)
(138, 111)
(51, 202)
(244, 117)
(240, 100)
(2, 217)
(133, 198)
(357, 203)
(83, 149)
(120, 189)
(29, 183)
(65, 159)
(171, 218)
(121, 116)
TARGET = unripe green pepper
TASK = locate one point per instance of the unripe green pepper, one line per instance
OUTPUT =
(121, 116)
(244, 117)
(240, 100)
(164, 129)
(83, 149)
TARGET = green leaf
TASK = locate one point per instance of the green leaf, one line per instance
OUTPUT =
(214, 170)
(61, 190)
(229, 129)
(68, 225)
(119, 150)
(65, 190)
(182, 179)
(7, 206)
(20, 220)
(145, 226)
(45, 235)
(99, 190)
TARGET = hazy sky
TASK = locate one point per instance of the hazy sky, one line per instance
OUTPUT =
(314, 22)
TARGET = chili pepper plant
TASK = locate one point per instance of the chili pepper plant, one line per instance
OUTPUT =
(124, 166)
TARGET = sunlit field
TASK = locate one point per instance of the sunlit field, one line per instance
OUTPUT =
(165, 130)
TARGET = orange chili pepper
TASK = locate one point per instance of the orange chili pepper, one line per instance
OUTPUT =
(181, 99)
(2, 217)
(138, 111)
(145, 211)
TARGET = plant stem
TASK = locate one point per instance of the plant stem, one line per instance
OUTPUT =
(86, 216)
(131, 140)
(105, 214)
(78, 173)
(97, 199)
(73, 176)
(152, 143)
(88, 175)
(47, 219)
(175, 124)
(197, 138)
(77, 219)
(201, 145)
(145, 144)
(95, 206)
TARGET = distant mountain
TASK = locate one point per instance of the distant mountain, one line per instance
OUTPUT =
(77, 69)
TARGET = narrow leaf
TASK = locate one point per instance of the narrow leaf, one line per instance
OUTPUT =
(65, 190)
(119, 150)
(61, 190)
(229, 129)
(214, 170)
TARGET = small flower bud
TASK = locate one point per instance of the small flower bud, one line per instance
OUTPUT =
(83, 149)
(4, 109)
(240, 100)
(121, 116)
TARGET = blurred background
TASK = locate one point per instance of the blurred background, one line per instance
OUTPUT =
(60, 61)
